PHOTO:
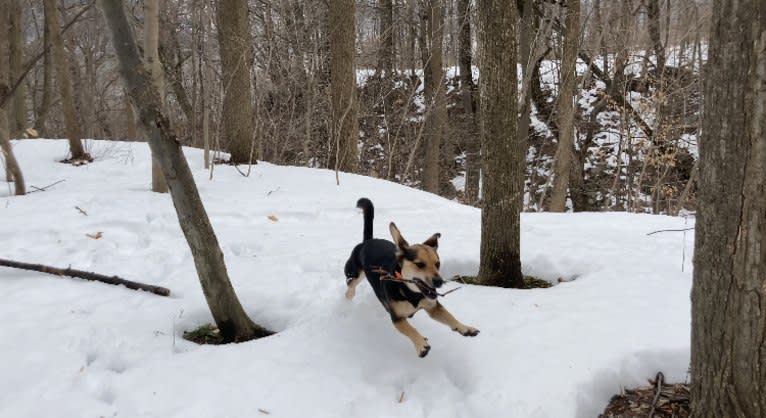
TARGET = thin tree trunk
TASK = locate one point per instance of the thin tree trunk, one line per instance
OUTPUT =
(344, 131)
(728, 349)
(467, 89)
(16, 41)
(386, 50)
(45, 103)
(12, 170)
(227, 311)
(154, 67)
(437, 117)
(566, 111)
(503, 151)
(74, 132)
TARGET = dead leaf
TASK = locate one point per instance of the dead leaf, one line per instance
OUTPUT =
(97, 235)
(273, 218)
(263, 411)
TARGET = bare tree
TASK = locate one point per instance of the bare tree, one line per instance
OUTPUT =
(227, 311)
(728, 316)
(566, 113)
(467, 90)
(235, 45)
(154, 66)
(503, 151)
(12, 170)
(63, 80)
(437, 116)
(16, 40)
(344, 136)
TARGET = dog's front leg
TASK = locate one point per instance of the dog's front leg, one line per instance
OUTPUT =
(440, 314)
(421, 343)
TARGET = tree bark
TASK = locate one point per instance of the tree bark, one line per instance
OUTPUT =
(467, 89)
(503, 151)
(224, 305)
(154, 67)
(386, 49)
(12, 169)
(728, 347)
(437, 117)
(236, 50)
(45, 102)
(63, 80)
(344, 125)
(16, 41)
(567, 98)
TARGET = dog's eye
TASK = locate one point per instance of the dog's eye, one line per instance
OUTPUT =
(420, 265)
(438, 265)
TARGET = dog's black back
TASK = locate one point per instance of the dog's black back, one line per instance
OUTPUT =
(377, 259)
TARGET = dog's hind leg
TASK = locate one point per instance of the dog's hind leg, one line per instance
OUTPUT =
(438, 313)
(421, 342)
(352, 283)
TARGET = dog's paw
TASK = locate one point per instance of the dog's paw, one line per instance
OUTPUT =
(423, 351)
(350, 292)
(467, 331)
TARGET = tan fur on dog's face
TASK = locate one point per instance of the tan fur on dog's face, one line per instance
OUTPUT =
(418, 261)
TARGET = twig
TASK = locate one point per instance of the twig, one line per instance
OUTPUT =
(401, 397)
(42, 189)
(670, 230)
(81, 210)
(388, 277)
(157, 290)
(658, 381)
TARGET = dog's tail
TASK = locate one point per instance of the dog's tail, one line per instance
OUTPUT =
(369, 213)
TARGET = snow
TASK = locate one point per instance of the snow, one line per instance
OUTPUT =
(77, 348)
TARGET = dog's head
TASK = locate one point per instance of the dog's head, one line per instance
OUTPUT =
(419, 262)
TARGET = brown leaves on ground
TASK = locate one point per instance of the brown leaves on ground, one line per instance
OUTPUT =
(97, 235)
(673, 401)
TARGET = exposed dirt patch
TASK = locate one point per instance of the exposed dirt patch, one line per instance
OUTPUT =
(659, 400)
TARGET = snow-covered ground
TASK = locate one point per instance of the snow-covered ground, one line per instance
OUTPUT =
(72, 348)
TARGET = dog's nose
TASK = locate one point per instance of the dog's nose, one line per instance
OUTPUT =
(438, 281)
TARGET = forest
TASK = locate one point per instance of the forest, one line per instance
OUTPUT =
(593, 168)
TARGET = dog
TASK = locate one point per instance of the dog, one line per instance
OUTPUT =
(404, 277)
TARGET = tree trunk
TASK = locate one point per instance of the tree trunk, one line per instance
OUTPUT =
(386, 49)
(567, 98)
(236, 50)
(12, 170)
(344, 132)
(154, 67)
(728, 349)
(227, 311)
(130, 120)
(45, 102)
(467, 89)
(63, 79)
(503, 151)
(16, 41)
(437, 117)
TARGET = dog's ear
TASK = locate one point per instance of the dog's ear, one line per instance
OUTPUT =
(433, 241)
(400, 242)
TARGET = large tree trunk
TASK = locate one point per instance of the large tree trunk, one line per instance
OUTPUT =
(728, 366)
(236, 50)
(386, 49)
(63, 80)
(154, 66)
(467, 89)
(16, 51)
(567, 96)
(437, 117)
(223, 302)
(503, 151)
(344, 132)
(12, 170)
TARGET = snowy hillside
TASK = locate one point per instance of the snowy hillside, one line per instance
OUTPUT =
(72, 348)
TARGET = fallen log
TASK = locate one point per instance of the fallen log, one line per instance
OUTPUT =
(87, 275)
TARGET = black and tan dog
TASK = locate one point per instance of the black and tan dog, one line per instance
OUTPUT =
(385, 263)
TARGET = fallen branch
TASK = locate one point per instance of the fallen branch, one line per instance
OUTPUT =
(44, 188)
(659, 380)
(670, 230)
(157, 290)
